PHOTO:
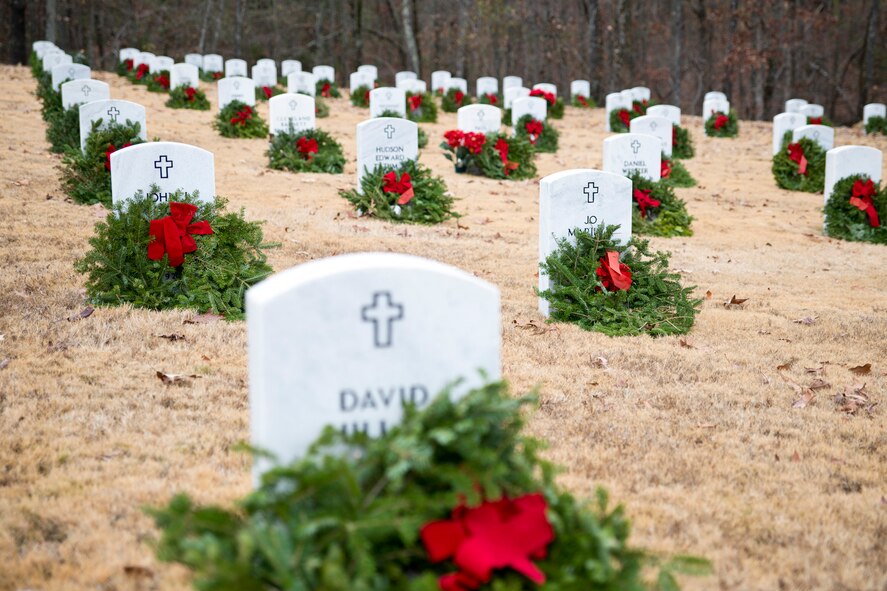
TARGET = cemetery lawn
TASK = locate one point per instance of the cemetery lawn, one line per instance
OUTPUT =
(713, 441)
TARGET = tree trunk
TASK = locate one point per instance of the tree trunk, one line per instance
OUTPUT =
(617, 79)
(239, 15)
(409, 34)
(592, 11)
(867, 78)
(727, 79)
(51, 21)
(463, 38)
(677, 42)
(18, 49)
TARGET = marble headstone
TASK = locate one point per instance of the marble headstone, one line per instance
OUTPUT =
(236, 88)
(849, 160)
(235, 67)
(782, 123)
(514, 92)
(78, 92)
(821, 134)
(327, 73)
(670, 112)
(291, 112)
(184, 75)
(287, 67)
(385, 141)
(168, 165)
(580, 88)
(534, 106)
(658, 126)
(302, 82)
(111, 111)
(630, 153)
(264, 74)
(460, 84)
(388, 99)
(69, 72)
(195, 59)
(439, 80)
(794, 105)
(213, 62)
(487, 85)
(485, 119)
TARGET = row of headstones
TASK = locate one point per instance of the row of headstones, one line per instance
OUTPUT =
(713, 102)
(815, 111)
(214, 62)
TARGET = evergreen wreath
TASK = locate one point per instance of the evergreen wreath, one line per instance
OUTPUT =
(857, 210)
(620, 120)
(360, 514)
(489, 99)
(87, 173)
(722, 125)
(35, 64)
(421, 108)
(496, 156)
(264, 93)
(63, 129)
(239, 120)
(681, 143)
(673, 173)
(327, 89)
(656, 210)
(360, 96)
(408, 193)
(541, 134)
(423, 136)
(454, 99)
(583, 102)
(229, 257)
(321, 108)
(555, 105)
(124, 67)
(51, 100)
(140, 74)
(311, 150)
(799, 166)
(820, 121)
(187, 97)
(640, 297)
(211, 76)
(639, 108)
(875, 125)
(158, 82)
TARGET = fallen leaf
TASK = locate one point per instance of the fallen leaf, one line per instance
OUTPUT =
(796, 457)
(460, 226)
(854, 398)
(762, 331)
(813, 369)
(706, 425)
(205, 358)
(808, 320)
(534, 327)
(734, 301)
(686, 343)
(175, 379)
(708, 295)
(862, 370)
(206, 318)
(600, 362)
(819, 384)
(138, 571)
(806, 398)
(171, 337)
(786, 365)
(84, 313)
(4, 363)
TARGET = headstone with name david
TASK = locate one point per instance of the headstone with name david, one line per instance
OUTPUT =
(580, 199)
(291, 112)
(873, 110)
(460, 84)
(213, 62)
(782, 123)
(168, 165)
(195, 59)
(187, 75)
(235, 67)
(630, 153)
(658, 126)
(487, 85)
(264, 74)
(794, 105)
(302, 82)
(161, 63)
(324, 73)
(439, 80)
(78, 92)
(386, 142)
(670, 112)
(347, 341)
(512, 93)
(66, 72)
(287, 67)
(111, 112)
(237, 88)
(388, 99)
(850, 160)
(580, 88)
(535, 106)
(485, 119)
(821, 134)
(614, 101)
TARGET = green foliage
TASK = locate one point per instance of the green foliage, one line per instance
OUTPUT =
(215, 277)
(556, 111)
(427, 111)
(669, 219)
(85, 178)
(785, 170)
(347, 516)
(489, 161)
(211, 76)
(35, 64)
(655, 304)
(589, 103)
(616, 122)
(333, 89)
(283, 154)
(178, 99)
(254, 127)
(158, 81)
(485, 99)
(876, 125)
(679, 175)
(51, 100)
(682, 144)
(546, 142)
(360, 96)
(731, 129)
(448, 102)
(432, 204)
(63, 129)
(321, 109)
(506, 117)
(122, 69)
(846, 221)
(263, 93)
(822, 121)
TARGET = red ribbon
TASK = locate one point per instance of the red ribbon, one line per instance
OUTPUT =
(415, 101)
(814, 120)
(458, 96)
(863, 199)
(242, 116)
(534, 130)
(473, 142)
(625, 117)
(128, 64)
(218, 75)
(582, 100)
(171, 235)
(642, 196)
(325, 90)
(402, 187)
(674, 135)
(307, 147)
(721, 120)
(190, 94)
(269, 92)
(502, 147)
(492, 98)
(496, 535)
(111, 149)
(366, 97)
(665, 169)
(455, 138)
(141, 71)
(613, 274)
(548, 96)
(796, 154)
(162, 80)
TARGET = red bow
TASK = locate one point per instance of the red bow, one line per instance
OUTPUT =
(582, 100)
(366, 96)
(502, 147)
(637, 107)
(721, 120)
(674, 135)
(325, 90)
(162, 80)
(492, 98)
(141, 71)
(402, 187)
(128, 64)
(625, 117)
(863, 199)
(665, 169)
(613, 274)
(534, 130)
(307, 147)
(190, 93)
(458, 96)
(415, 101)
(814, 120)
(171, 235)
(269, 92)
(242, 116)
(217, 75)
(455, 138)
(502, 534)
(642, 196)
(548, 96)
(111, 149)
(796, 154)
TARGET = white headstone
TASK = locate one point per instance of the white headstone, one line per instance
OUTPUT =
(873, 110)
(439, 80)
(630, 153)
(546, 87)
(387, 142)
(161, 63)
(534, 106)
(78, 92)
(358, 79)
(782, 123)
(268, 62)
(110, 112)
(614, 101)
(291, 112)
(287, 67)
(303, 82)
(264, 75)
(457, 83)
(128, 53)
(712, 106)
(510, 81)
(580, 88)
(145, 57)
(237, 88)
(370, 69)
(388, 99)
(658, 126)
(821, 134)
(235, 67)
(69, 72)
(627, 97)
(512, 93)
(670, 112)
(715, 94)
(184, 75)
(346, 341)
(40, 47)
(415, 86)
(812, 110)
(850, 160)
(640, 93)
(213, 62)
(169, 165)
(327, 73)
(794, 105)
(580, 198)
(52, 60)
(487, 85)
(485, 119)
(401, 76)
(195, 59)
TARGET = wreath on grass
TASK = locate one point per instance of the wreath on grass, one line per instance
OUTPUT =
(620, 120)
(722, 125)
(454, 497)
(657, 211)
(181, 254)
(211, 76)
(63, 128)
(409, 193)
(421, 108)
(423, 136)
(311, 150)
(453, 100)
(876, 124)
(799, 166)
(820, 121)
(857, 210)
(673, 173)
(159, 82)
(583, 102)
(265, 93)
(489, 99)
(496, 156)
(239, 120)
(555, 104)
(321, 108)
(86, 174)
(541, 134)
(681, 143)
(360, 96)
(187, 97)
(506, 117)
(140, 74)
(124, 67)
(327, 89)
(618, 290)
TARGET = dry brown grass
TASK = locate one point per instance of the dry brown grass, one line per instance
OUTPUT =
(697, 437)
